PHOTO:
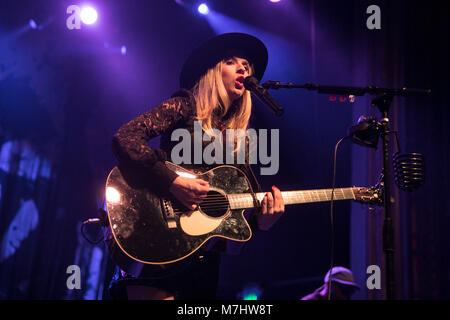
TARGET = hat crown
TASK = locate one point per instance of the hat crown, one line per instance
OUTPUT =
(212, 51)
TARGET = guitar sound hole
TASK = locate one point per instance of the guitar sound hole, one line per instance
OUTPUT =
(215, 205)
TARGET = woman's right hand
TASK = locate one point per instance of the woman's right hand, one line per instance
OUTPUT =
(190, 192)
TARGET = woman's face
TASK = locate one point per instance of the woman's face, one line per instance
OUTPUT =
(234, 71)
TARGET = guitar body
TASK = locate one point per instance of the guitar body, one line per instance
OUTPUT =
(153, 229)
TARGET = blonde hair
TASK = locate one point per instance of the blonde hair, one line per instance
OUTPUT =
(211, 97)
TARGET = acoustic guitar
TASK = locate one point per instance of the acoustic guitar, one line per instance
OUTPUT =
(155, 229)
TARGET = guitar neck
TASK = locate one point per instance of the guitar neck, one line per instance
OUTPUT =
(246, 200)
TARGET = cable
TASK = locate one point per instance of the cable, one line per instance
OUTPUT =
(332, 218)
(103, 221)
(83, 226)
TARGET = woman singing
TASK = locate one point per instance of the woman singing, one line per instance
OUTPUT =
(213, 95)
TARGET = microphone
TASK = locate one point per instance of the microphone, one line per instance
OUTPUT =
(366, 132)
(252, 84)
(409, 169)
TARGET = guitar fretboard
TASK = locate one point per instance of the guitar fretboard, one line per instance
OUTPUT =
(245, 200)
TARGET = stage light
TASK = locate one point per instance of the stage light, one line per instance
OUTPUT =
(251, 292)
(123, 50)
(250, 296)
(203, 9)
(33, 24)
(275, 1)
(88, 15)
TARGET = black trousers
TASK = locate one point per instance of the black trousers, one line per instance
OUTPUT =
(193, 278)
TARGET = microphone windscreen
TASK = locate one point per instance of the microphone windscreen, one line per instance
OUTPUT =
(250, 82)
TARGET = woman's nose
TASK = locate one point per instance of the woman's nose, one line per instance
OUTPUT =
(241, 69)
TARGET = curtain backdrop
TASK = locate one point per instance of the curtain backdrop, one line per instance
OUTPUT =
(63, 94)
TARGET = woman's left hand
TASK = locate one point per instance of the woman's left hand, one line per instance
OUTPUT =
(272, 208)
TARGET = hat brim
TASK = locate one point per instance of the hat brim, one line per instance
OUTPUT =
(215, 49)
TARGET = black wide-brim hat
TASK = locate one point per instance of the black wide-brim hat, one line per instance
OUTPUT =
(215, 49)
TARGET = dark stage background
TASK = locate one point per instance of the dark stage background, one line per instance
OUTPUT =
(63, 94)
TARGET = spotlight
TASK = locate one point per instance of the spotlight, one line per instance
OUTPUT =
(123, 50)
(250, 292)
(275, 1)
(88, 15)
(33, 24)
(203, 9)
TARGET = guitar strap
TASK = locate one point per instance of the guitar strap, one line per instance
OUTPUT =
(255, 200)
(255, 185)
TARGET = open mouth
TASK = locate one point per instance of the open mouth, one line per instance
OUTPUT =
(239, 82)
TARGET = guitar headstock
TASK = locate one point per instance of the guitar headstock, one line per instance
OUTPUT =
(372, 195)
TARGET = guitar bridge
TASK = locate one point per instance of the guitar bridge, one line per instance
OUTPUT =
(169, 214)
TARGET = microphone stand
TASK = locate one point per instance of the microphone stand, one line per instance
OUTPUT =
(343, 90)
(383, 101)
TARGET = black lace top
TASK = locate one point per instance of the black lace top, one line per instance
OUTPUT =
(130, 143)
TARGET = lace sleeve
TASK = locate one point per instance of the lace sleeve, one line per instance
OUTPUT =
(130, 142)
